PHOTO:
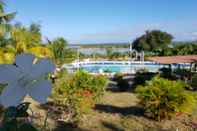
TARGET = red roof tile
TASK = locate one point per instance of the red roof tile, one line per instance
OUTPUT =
(174, 59)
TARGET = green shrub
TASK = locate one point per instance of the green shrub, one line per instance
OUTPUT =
(78, 93)
(167, 73)
(141, 78)
(183, 74)
(122, 83)
(194, 82)
(117, 76)
(63, 72)
(85, 81)
(162, 98)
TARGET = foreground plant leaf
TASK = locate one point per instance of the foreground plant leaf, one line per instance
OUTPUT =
(27, 127)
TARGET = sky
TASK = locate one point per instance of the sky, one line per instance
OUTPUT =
(105, 21)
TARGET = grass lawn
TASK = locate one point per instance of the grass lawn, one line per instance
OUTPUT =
(116, 112)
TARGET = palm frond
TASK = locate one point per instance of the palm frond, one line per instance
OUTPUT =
(1, 6)
(7, 17)
(4, 28)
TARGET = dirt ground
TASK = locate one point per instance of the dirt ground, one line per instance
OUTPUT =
(121, 112)
(118, 111)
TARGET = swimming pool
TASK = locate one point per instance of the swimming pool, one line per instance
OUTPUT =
(120, 66)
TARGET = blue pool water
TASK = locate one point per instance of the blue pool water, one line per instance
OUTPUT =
(120, 68)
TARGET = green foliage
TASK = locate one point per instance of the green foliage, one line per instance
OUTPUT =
(84, 81)
(166, 73)
(109, 52)
(152, 41)
(5, 27)
(5, 17)
(7, 56)
(182, 74)
(104, 45)
(27, 127)
(142, 77)
(177, 48)
(185, 48)
(162, 98)
(114, 55)
(61, 52)
(194, 82)
(122, 83)
(24, 38)
(40, 51)
(12, 119)
(78, 93)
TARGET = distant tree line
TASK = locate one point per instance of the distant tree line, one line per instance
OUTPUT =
(104, 45)
(153, 43)
(159, 43)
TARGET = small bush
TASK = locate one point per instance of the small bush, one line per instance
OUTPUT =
(78, 93)
(183, 74)
(122, 83)
(167, 73)
(194, 82)
(141, 78)
(162, 98)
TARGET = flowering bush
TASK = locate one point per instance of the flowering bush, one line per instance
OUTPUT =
(78, 93)
(162, 98)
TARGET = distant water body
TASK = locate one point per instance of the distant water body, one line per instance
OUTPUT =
(102, 51)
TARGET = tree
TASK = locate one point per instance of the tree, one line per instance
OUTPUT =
(5, 17)
(61, 52)
(24, 38)
(154, 40)
(187, 48)
(35, 30)
(20, 38)
(5, 27)
(109, 53)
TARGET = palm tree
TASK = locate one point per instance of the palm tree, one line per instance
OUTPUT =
(61, 53)
(25, 38)
(58, 46)
(35, 30)
(7, 54)
(5, 18)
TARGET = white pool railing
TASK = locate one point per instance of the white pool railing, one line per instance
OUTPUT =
(76, 64)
